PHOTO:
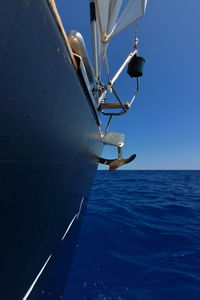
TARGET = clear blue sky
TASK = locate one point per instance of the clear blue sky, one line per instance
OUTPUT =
(163, 126)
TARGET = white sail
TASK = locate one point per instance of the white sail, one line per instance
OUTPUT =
(112, 19)
(133, 11)
(107, 13)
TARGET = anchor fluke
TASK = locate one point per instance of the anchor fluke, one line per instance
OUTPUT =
(117, 140)
(116, 163)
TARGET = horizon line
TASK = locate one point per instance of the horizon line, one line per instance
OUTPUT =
(151, 170)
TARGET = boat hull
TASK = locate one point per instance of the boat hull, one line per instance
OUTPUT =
(49, 141)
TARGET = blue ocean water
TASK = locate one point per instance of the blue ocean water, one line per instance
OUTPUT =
(140, 238)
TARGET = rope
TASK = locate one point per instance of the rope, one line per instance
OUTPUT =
(107, 68)
(136, 40)
(108, 124)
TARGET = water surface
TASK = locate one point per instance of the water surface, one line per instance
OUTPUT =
(140, 238)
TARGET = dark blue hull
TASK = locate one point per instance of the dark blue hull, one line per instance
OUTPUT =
(49, 138)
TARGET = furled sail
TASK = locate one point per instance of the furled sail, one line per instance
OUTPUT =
(112, 17)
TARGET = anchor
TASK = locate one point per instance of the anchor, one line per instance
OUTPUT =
(117, 140)
(117, 162)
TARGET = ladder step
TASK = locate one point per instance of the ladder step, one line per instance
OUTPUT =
(114, 105)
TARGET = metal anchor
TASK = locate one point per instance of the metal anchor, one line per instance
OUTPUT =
(115, 139)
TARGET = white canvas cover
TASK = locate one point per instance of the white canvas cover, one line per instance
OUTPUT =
(113, 16)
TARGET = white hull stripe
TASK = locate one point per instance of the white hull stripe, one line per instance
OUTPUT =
(36, 279)
(39, 274)
(80, 207)
(68, 228)
(72, 221)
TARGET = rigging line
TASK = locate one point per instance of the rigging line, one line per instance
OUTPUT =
(108, 124)
(107, 68)
(136, 91)
(104, 39)
(94, 38)
(98, 16)
(136, 27)
(136, 40)
(102, 57)
(118, 98)
(101, 33)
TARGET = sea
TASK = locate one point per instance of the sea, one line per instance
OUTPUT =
(140, 238)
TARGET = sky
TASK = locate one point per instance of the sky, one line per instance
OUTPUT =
(163, 125)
